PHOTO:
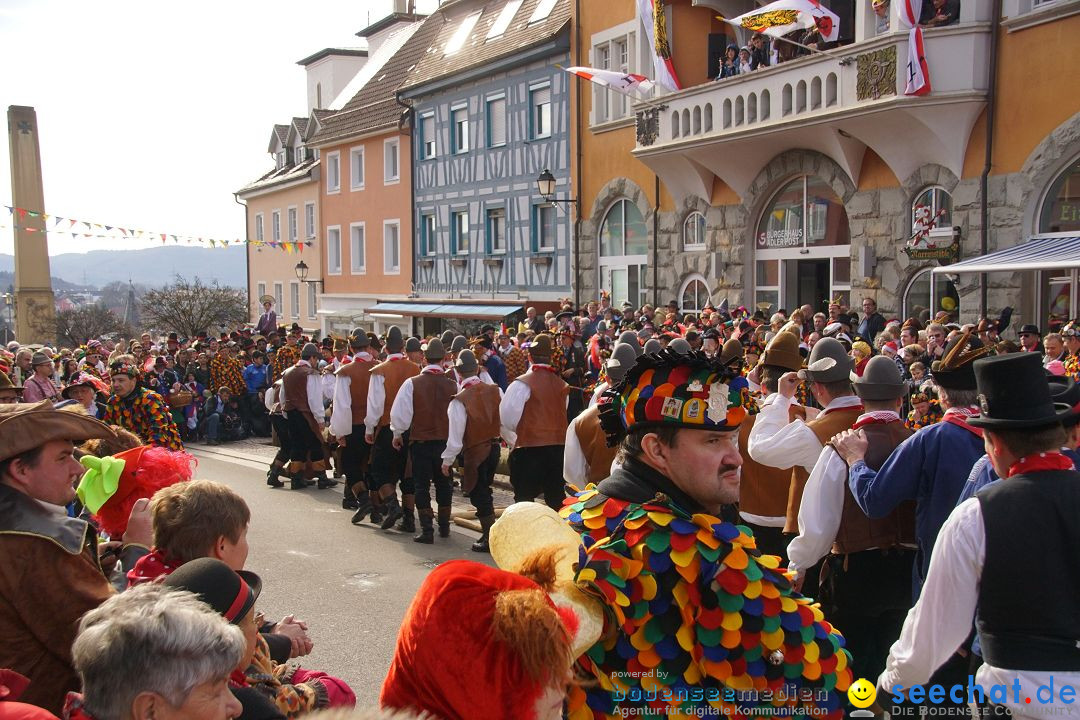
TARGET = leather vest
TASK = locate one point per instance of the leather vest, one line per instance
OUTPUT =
(857, 532)
(359, 373)
(481, 402)
(431, 395)
(764, 489)
(593, 441)
(824, 426)
(294, 383)
(543, 419)
(394, 373)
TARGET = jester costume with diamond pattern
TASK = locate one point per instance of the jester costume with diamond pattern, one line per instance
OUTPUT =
(698, 620)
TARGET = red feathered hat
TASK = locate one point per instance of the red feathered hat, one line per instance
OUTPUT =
(113, 484)
(503, 624)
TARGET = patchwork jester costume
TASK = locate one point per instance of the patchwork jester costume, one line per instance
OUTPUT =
(697, 620)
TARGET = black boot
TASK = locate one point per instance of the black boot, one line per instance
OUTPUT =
(363, 507)
(273, 477)
(408, 521)
(481, 545)
(444, 521)
(427, 530)
(325, 482)
(393, 512)
(376, 508)
(297, 482)
(349, 499)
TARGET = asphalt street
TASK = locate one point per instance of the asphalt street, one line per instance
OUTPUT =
(351, 584)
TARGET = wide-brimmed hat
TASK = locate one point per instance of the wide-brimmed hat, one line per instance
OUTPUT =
(540, 347)
(783, 351)
(1014, 393)
(955, 370)
(881, 380)
(434, 350)
(828, 362)
(83, 379)
(25, 427)
(1066, 392)
(1029, 330)
(230, 592)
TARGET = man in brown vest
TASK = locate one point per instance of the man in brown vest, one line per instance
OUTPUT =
(388, 462)
(474, 434)
(301, 401)
(587, 458)
(778, 441)
(764, 490)
(420, 410)
(866, 583)
(347, 423)
(533, 419)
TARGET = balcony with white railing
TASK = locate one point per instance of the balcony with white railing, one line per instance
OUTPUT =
(838, 102)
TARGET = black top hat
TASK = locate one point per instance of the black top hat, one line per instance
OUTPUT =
(1014, 394)
(231, 593)
(1029, 330)
(487, 327)
(1066, 392)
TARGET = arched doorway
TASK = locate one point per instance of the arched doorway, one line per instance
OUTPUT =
(802, 247)
(623, 250)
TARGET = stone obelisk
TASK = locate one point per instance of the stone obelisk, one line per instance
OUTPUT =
(35, 312)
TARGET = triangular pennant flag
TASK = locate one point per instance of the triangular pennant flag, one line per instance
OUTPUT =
(58, 220)
(108, 227)
(11, 210)
(72, 223)
(31, 213)
(22, 213)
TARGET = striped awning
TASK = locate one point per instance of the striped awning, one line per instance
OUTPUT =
(446, 310)
(1040, 252)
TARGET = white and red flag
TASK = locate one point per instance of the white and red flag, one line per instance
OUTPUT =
(783, 16)
(918, 74)
(651, 13)
(620, 81)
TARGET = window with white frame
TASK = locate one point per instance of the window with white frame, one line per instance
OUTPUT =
(543, 228)
(261, 291)
(459, 232)
(356, 168)
(623, 245)
(333, 250)
(259, 228)
(333, 173)
(275, 225)
(312, 301)
(281, 157)
(391, 169)
(309, 221)
(616, 48)
(459, 130)
(540, 111)
(496, 230)
(427, 136)
(357, 249)
(496, 121)
(391, 247)
(931, 214)
(427, 235)
(694, 294)
(298, 155)
(278, 303)
(694, 232)
(292, 224)
(294, 300)
(461, 34)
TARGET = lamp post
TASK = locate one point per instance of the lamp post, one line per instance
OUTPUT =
(545, 184)
(302, 275)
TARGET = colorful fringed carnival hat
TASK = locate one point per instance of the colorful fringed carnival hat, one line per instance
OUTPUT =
(671, 389)
(956, 370)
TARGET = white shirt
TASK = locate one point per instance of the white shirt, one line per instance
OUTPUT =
(600, 390)
(270, 396)
(821, 509)
(341, 416)
(401, 412)
(575, 468)
(942, 618)
(314, 395)
(458, 419)
(376, 399)
(512, 405)
(776, 442)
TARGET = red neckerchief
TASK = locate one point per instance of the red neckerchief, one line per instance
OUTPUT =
(958, 416)
(544, 366)
(877, 417)
(433, 370)
(470, 381)
(858, 407)
(150, 567)
(73, 708)
(238, 679)
(1042, 462)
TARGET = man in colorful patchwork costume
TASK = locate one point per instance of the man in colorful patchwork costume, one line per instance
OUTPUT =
(697, 619)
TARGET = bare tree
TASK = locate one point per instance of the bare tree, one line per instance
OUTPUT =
(189, 307)
(74, 327)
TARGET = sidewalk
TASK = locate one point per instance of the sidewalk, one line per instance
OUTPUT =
(261, 451)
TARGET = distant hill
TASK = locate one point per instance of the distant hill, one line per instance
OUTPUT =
(7, 279)
(152, 267)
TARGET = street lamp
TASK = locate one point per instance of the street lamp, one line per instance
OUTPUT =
(302, 273)
(546, 185)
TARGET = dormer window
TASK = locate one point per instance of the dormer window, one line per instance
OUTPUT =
(298, 155)
(281, 160)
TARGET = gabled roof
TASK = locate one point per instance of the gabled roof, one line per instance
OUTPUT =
(279, 138)
(327, 52)
(478, 50)
(373, 105)
(387, 22)
(286, 174)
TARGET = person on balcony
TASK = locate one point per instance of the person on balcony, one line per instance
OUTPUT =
(759, 52)
(729, 66)
(937, 13)
(745, 61)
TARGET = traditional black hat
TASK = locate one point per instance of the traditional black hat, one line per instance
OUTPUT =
(435, 350)
(955, 370)
(413, 344)
(1014, 393)
(231, 593)
(1029, 330)
(1066, 392)
(359, 339)
(447, 338)
(394, 341)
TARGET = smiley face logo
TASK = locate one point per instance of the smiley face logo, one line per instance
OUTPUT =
(862, 693)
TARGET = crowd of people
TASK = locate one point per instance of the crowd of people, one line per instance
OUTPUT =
(739, 512)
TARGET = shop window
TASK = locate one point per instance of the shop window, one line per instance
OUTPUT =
(694, 294)
(928, 294)
(1061, 208)
(623, 245)
(804, 213)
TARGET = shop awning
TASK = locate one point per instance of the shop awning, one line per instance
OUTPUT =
(436, 310)
(1040, 252)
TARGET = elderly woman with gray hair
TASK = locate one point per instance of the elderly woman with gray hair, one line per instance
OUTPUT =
(155, 652)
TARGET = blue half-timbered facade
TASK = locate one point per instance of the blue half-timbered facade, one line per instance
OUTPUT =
(486, 124)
